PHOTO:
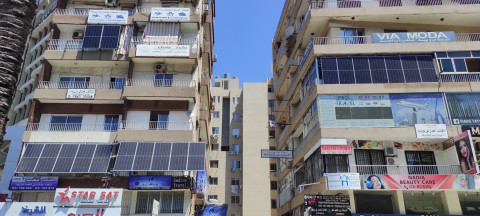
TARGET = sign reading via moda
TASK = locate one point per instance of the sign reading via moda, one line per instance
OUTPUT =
(86, 196)
(419, 182)
(431, 130)
(276, 154)
(343, 181)
(163, 50)
(107, 17)
(327, 204)
(170, 14)
(150, 182)
(80, 94)
(33, 183)
(413, 37)
(340, 149)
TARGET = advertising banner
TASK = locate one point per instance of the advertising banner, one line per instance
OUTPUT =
(163, 50)
(27, 208)
(119, 17)
(413, 37)
(474, 130)
(150, 182)
(463, 108)
(327, 204)
(80, 94)
(411, 109)
(181, 182)
(431, 130)
(88, 197)
(465, 153)
(214, 211)
(331, 149)
(419, 182)
(276, 154)
(33, 183)
(202, 183)
(343, 181)
(170, 14)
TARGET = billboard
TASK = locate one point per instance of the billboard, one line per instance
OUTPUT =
(327, 204)
(181, 182)
(413, 37)
(33, 183)
(411, 109)
(214, 211)
(202, 183)
(163, 50)
(431, 130)
(343, 181)
(150, 183)
(338, 150)
(107, 17)
(463, 108)
(170, 14)
(465, 153)
(88, 197)
(418, 182)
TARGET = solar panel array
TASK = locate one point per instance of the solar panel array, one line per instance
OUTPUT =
(378, 69)
(65, 158)
(101, 37)
(160, 156)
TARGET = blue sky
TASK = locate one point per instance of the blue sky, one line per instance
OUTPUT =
(243, 38)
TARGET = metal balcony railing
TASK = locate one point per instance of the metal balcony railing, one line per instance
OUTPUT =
(161, 83)
(157, 125)
(47, 15)
(124, 125)
(163, 41)
(460, 77)
(78, 85)
(406, 169)
(72, 11)
(147, 10)
(388, 3)
(65, 44)
(460, 37)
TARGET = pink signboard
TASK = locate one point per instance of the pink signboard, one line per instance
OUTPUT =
(419, 182)
(336, 149)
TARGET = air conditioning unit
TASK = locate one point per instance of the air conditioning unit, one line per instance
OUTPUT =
(232, 169)
(160, 68)
(392, 161)
(236, 136)
(390, 152)
(77, 34)
(112, 3)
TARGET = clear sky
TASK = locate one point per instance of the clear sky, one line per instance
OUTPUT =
(243, 38)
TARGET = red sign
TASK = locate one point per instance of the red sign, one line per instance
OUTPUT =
(336, 149)
(86, 196)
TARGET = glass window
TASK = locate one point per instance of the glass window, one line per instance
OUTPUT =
(236, 132)
(274, 204)
(270, 88)
(218, 99)
(235, 199)
(213, 99)
(235, 164)
(273, 185)
(214, 147)
(73, 82)
(271, 134)
(335, 163)
(213, 181)
(273, 167)
(170, 202)
(235, 182)
(421, 162)
(117, 82)
(210, 197)
(366, 158)
(214, 164)
(215, 130)
(271, 117)
(233, 100)
(216, 114)
(236, 116)
(66, 123)
(236, 148)
(352, 36)
(111, 123)
(159, 120)
(164, 80)
(271, 104)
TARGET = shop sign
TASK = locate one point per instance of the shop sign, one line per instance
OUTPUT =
(413, 37)
(327, 204)
(181, 182)
(276, 154)
(27, 208)
(201, 183)
(343, 181)
(419, 182)
(163, 50)
(87, 211)
(474, 129)
(331, 149)
(431, 130)
(34, 210)
(150, 182)
(119, 17)
(33, 183)
(397, 215)
(170, 14)
(84, 196)
(465, 153)
(214, 211)
(80, 94)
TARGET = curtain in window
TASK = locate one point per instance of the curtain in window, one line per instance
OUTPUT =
(161, 33)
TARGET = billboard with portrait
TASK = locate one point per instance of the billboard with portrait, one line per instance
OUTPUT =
(465, 153)
(411, 109)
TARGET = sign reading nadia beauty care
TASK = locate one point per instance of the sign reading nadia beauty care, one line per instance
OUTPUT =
(332, 149)
(33, 183)
(107, 17)
(84, 196)
(413, 37)
(80, 94)
(419, 182)
(170, 14)
(343, 181)
(163, 50)
(431, 130)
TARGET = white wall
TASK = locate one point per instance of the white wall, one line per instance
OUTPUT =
(97, 74)
(138, 119)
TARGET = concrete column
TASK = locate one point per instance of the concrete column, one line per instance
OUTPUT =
(133, 204)
(352, 201)
(451, 202)
(400, 202)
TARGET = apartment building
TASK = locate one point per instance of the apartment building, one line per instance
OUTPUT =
(380, 101)
(114, 100)
(239, 177)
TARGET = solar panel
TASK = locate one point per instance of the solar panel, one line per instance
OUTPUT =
(143, 156)
(30, 157)
(84, 158)
(101, 159)
(329, 70)
(178, 160)
(125, 156)
(196, 159)
(47, 158)
(93, 34)
(378, 70)
(362, 70)
(110, 37)
(100, 36)
(161, 156)
(65, 158)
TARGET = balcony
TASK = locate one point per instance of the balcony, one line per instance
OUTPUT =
(58, 92)
(406, 169)
(147, 50)
(73, 49)
(24, 101)
(156, 130)
(78, 16)
(72, 132)
(157, 89)
(46, 16)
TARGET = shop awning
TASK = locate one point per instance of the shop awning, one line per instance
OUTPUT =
(65, 158)
(160, 156)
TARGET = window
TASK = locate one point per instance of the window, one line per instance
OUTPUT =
(271, 134)
(273, 185)
(66, 123)
(216, 114)
(101, 37)
(225, 148)
(273, 167)
(366, 158)
(214, 164)
(235, 182)
(213, 181)
(236, 116)
(170, 202)
(73, 82)
(271, 117)
(271, 104)
(235, 200)
(352, 36)
(274, 204)
(335, 163)
(235, 164)
(236, 132)
(214, 147)
(111, 123)
(233, 100)
(218, 99)
(159, 120)
(213, 99)
(310, 78)
(236, 148)
(117, 82)
(215, 130)
(270, 88)
(210, 197)
(164, 80)
(272, 148)
(415, 160)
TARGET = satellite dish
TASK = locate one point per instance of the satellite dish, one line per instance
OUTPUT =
(289, 31)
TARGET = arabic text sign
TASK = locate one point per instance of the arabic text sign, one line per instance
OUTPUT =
(339, 149)
(276, 154)
(80, 94)
(107, 17)
(431, 130)
(419, 182)
(86, 196)
(33, 183)
(163, 50)
(170, 14)
(27, 208)
(343, 181)
(413, 37)
(327, 204)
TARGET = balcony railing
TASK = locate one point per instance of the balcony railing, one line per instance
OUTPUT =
(163, 41)
(388, 3)
(47, 15)
(460, 77)
(65, 44)
(161, 83)
(463, 37)
(406, 169)
(71, 12)
(78, 85)
(147, 10)
(157, 125)
(124, 125)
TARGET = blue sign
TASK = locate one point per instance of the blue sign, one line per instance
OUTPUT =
(214, 211)
(33, 183)
(399, 215)
(411, 109)
(150, 183)
(202, 183)
(36, 210)
(413, 37)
